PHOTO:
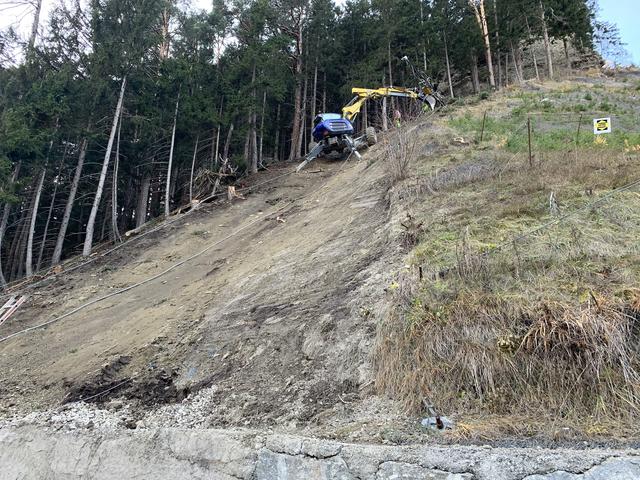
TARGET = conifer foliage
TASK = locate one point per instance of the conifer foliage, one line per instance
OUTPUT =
(115, 112)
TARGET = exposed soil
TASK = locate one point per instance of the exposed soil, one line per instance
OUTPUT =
(270, 319)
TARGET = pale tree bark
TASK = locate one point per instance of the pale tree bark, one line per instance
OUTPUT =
(32, 223)
(35, 25)
(276, 146)
(143, 200)
(297, 16)
(57, 252)
(446, 57)
(5, 219)
(547, 42)
(497, 35)
(516, 67)
(88, 240)
(533, 52)
(166, 39)
(264, 106)
(51, 206)
(475, 77)
(385, 125)
(324, 92)
(225, 154)
(303, 117)
(251, 146)
(193, 165)
(167, 193)
(478, 9)
(114, 189)
(314, 97)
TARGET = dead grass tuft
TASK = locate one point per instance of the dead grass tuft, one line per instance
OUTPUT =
(542, 327)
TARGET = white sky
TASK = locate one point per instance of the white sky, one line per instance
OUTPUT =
(21, 16)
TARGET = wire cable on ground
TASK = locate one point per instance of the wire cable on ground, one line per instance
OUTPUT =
(158, 227)
(120, 291)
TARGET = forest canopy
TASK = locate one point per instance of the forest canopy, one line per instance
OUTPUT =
(122, 110)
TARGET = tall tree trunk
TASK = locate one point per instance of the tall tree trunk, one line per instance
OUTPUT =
(547, 43)
(57, 252)
(566, 53)
(497, 35)
(51, 207)
(35, 25)
(303, 117)
(533, 52)
(166, 41)
(143, 200)
(481, 18)
(5, 219)
(314, 97)
(385, 125)
(252, 142)
(297, 102)
(114, 189)
(193, 165)
(167, 194)
(264, 105)
(32, 223)
(475, 76)
(88, 241)
(446, 57)
(227, 142)
(276, 146)
(18, 244)
(515, 63)
(324, 92)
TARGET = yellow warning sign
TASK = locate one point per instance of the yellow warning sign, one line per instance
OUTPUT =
(601, 125)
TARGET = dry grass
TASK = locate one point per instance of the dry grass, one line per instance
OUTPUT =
(527, 336)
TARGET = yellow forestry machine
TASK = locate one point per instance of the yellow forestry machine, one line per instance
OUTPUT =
(333, 132)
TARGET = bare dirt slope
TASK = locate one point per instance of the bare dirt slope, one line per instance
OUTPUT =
(277, 317)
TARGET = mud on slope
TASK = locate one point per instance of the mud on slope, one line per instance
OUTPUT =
(277, 321)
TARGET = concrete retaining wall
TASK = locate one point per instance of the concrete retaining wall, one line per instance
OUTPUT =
(41, 453)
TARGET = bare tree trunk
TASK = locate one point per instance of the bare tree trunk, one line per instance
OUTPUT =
(314, 98)
(533, 52)
(5, 219)
(217, 145)
(252, 138)
(114, 189)
(276, 147)
(547, 43)
(57, 252)
(167, 194)
(227, 142)
(32, 223)
(385, 125)
(35, 24)
(303, 117)
(481, 18)
(18, 244)
(297, 102)
(143, 200)
(515, 63)
(498, 54)
(264, 105)
(566, 54)
(446, 57)
(193, 164)
(88, 240)
(324, 92)
(475, 76)
(166, 41)
(51, 206)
